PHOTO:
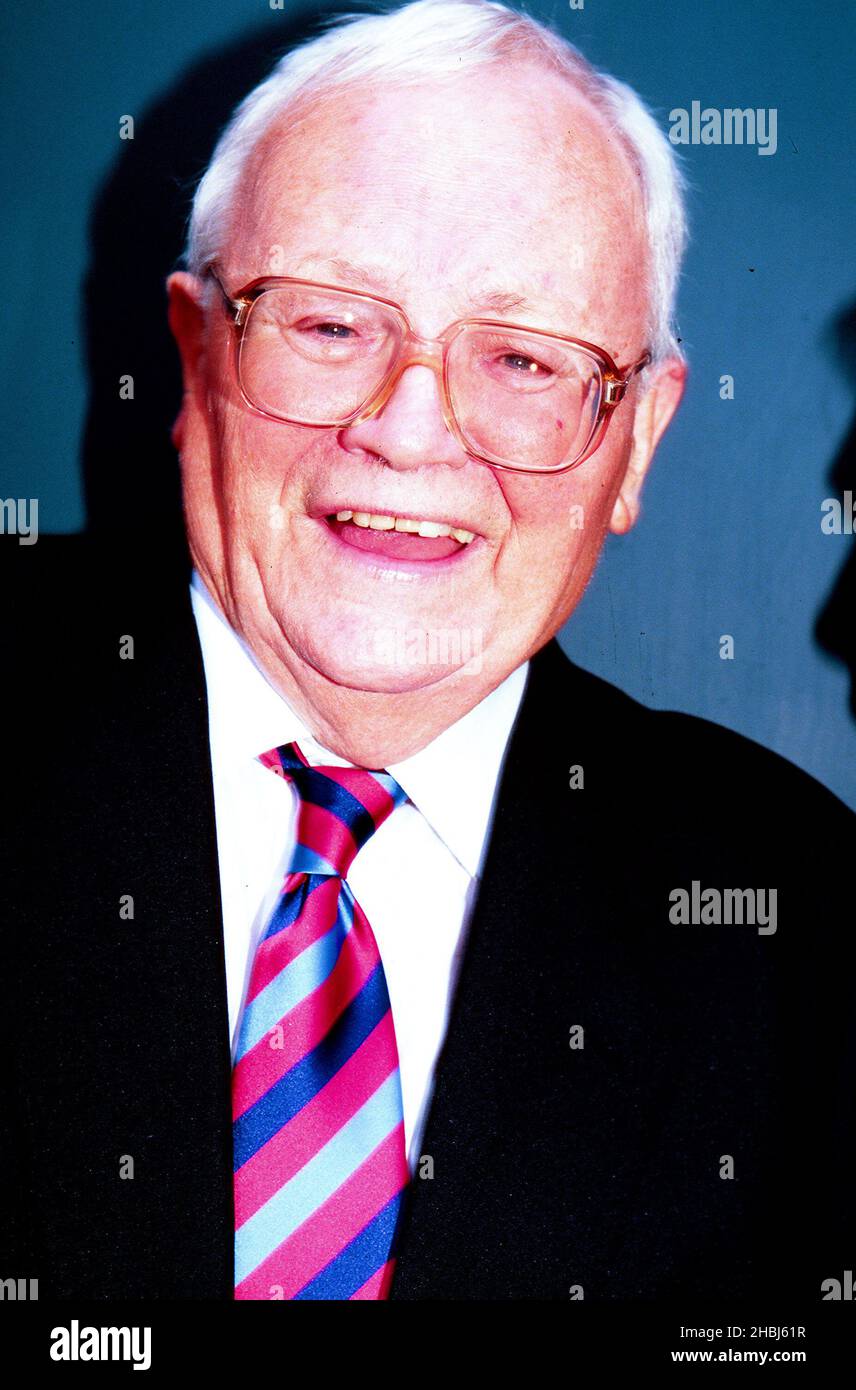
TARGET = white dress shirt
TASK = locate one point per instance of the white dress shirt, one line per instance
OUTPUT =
(415, 878)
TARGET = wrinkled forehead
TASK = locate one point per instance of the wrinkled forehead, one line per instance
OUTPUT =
(507, 175)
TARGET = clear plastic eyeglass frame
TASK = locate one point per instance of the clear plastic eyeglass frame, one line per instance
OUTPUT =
(433, 353)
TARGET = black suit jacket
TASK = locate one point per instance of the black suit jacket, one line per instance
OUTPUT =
(602, 1168)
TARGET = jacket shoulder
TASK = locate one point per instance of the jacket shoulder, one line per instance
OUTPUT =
(670, 750)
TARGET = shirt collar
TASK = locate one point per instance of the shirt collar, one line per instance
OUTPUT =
(451, 781)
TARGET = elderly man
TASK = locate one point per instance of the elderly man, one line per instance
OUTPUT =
(531, 992)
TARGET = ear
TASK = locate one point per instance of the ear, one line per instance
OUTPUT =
(187, 322)
(662, 395)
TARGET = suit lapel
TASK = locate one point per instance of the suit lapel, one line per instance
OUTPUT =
(529, 1143)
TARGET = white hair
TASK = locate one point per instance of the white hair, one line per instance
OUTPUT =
(440, 39)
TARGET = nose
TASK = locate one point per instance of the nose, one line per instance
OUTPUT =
(409, 431)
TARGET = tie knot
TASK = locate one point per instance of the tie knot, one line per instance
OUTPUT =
(339, 809)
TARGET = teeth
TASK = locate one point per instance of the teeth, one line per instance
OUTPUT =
(376, 521)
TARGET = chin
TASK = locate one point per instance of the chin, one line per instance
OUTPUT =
(397, 660)
(387, 681)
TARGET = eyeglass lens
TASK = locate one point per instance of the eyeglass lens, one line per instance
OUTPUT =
(318, 356)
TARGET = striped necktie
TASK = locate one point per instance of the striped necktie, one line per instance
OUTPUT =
(319, 1158)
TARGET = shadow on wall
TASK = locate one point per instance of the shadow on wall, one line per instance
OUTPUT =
(834, 629)
(130, 470)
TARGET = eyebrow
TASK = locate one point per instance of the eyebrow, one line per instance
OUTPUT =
(375, 280)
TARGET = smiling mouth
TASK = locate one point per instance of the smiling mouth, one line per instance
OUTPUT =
(399, 538)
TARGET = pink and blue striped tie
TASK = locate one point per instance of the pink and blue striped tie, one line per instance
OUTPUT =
(319, 1158)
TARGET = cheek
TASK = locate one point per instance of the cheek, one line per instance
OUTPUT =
(258, 463)
(555, 518)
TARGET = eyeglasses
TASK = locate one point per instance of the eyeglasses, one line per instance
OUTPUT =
(515, 398)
